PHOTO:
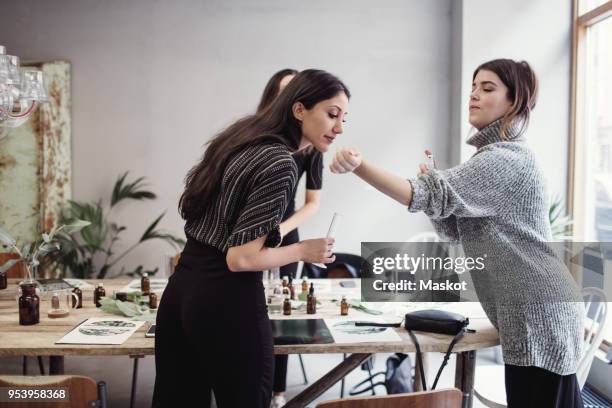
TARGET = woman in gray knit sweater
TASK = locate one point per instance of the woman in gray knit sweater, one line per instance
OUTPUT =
(497, 202)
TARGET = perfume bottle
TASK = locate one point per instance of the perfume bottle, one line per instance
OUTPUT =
(344, 306)
(291, 288)
(287, 306)
(99, 293)
(145, 284)
(311, 301)
(152, 300)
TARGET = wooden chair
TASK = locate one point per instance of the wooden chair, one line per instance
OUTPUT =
(449, 398)
(82, 391)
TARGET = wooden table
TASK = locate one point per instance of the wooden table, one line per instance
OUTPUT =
(39, 339)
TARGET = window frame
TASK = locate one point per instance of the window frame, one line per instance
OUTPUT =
(580, 25)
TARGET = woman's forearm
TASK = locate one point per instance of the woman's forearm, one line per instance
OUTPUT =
(387, 183)
(262, 258)
(298, 218)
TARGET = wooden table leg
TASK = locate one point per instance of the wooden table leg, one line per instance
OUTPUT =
(56, 365)
(464, 376)
(327, 381)
(417, 384)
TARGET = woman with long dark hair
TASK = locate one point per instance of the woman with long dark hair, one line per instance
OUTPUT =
(212, 329)
(309, 162)
(496, 203)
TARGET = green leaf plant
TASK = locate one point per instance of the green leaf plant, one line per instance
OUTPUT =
(32, 253)
(90, 252)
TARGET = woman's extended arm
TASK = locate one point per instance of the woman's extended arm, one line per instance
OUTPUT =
(399, 189)
(255, 256)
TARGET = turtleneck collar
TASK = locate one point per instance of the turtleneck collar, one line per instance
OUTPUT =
(492, 134)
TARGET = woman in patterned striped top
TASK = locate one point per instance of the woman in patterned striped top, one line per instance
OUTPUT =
(213, 331)
(309, 161)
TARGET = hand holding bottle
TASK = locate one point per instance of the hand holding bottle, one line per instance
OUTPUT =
(317, 250)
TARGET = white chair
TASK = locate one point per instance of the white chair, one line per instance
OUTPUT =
(489, 383)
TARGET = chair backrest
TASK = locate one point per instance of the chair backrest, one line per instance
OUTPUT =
(428, 236)
(596, 306)
(345, 266)
(450, 398)
(81, 390)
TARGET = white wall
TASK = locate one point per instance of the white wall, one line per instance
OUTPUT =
(540, 33)
(153, 81)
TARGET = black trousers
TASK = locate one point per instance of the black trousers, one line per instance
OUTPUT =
(534, 387)
(281, 360)
(212, 333)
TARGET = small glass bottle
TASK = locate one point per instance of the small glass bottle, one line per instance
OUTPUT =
(287, 306)
(285, 281)
(291, 288)
(344, 306)
(152, 300)
(55, 302)
(305, 284)
(99, 293)
(145, 284)
(77, 304)
(29, 304)
(3, 280)
(311, 301)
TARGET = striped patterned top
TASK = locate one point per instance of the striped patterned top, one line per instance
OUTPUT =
(257, 184)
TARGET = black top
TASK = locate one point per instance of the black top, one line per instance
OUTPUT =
(311, 163)
(258, 183)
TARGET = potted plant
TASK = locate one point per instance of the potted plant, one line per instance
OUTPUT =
(31, 254)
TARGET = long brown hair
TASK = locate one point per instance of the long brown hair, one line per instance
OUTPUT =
(272, 87)
(274, 123)
(522, 84)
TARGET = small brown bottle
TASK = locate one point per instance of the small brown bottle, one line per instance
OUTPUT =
(287, 306)
(145, 284)
(291, 288)
(99, 293)
(344, 306)
(3, 280)
(285, 281)
(152, 300)
(311, 301)
(77, 304)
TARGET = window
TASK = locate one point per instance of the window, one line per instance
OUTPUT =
(590, 188)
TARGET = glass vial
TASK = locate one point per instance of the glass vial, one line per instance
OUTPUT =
(99, 293)
(287, 306)
(152, 300)
(344, 306)
(145, 284)
(311, 301)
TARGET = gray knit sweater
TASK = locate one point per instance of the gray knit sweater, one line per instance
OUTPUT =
(496, 203)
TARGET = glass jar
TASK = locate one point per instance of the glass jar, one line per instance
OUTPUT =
(29, 304)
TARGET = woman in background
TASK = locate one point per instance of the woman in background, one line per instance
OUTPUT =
(213, 331)
(496, 203)
(310, 162)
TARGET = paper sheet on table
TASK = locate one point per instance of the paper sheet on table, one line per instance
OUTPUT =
(157, 285)
(345, 331)
(102, 330)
